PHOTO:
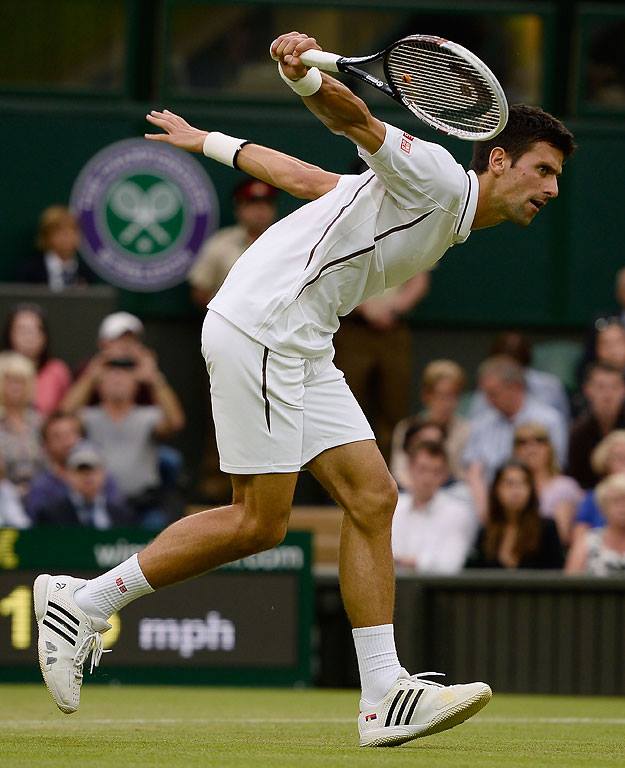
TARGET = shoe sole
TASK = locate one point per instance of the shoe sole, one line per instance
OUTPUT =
(40, 602)
(394, 736)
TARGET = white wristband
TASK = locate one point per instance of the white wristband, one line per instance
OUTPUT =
(307, 85)
(223, 148)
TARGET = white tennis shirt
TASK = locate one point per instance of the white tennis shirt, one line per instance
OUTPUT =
(371, 232)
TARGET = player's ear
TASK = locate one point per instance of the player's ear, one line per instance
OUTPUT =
(497, 160)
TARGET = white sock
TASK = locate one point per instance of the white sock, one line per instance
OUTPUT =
(377, 661)
(110, 592)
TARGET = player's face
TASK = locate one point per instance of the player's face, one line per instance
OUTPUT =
(531, 182)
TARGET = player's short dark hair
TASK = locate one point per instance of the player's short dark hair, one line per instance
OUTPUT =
(526, 126)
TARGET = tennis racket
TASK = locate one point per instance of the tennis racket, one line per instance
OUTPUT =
(443, 84)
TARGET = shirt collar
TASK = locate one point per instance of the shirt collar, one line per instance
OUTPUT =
(467, 208)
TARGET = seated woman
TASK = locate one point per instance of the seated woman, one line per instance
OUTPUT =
(608, 458)
(26, 332)
(558, 494)
(515, 535)
(442, 384)
(20, 445)
(601, 551)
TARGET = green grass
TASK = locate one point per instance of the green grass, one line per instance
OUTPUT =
(128, 727)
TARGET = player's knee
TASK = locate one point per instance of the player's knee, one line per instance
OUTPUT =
(373, 507)
(259, 534)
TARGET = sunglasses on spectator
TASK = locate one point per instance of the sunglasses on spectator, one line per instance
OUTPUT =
(542, 439)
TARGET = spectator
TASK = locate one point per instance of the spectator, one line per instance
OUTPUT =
(558, 495)
(127, 433)
(616, 315)
(85, 502)
(433, 528)
(374, 350)
(19, 422)
(502, 380)
(60, 433)
(515, 535)
(601, 551)
(57, 263)
(442, 383)
(12, 513)
(120, 335)
(608, 458)
(540, 385)
(604, 390)
(408, 433)
(255, 211)
(26, 332)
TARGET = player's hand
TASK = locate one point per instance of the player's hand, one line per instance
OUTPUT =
(288, 48)
(178, 132)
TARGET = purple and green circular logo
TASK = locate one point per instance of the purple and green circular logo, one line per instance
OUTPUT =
(145, 209)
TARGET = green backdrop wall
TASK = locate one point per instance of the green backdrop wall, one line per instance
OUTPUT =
(556, 273)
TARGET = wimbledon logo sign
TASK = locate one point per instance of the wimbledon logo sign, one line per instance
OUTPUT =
(145, 209)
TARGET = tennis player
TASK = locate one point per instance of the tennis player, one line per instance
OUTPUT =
(280, 404)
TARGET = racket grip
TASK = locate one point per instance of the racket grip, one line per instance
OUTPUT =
(322, 59)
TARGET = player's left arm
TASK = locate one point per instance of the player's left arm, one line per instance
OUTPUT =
(298, 178)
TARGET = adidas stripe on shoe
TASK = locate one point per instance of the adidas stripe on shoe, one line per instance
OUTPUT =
(415, 707)
(66, 637)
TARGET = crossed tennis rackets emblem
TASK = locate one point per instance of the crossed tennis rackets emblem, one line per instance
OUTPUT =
(144, 210)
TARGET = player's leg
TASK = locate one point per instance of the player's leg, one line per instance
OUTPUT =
(357, 478)
(73, 613)
(258, 409)
(255, 521)
(395, 707)
(339, 450)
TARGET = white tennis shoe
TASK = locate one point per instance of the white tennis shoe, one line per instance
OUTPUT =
(415, 707)
(66, 636)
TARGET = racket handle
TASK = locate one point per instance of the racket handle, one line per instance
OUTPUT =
(322, 59)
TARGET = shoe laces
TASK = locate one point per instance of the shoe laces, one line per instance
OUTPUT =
(420, 678)
(93, 643)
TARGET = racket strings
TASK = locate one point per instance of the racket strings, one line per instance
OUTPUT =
(444, 86)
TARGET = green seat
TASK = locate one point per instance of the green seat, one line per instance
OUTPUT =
(560, 358)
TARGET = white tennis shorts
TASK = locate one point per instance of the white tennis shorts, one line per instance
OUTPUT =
(274, 413)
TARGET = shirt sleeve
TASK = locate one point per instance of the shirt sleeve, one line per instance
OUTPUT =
(418, 174)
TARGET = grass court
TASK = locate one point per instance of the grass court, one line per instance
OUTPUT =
(128, 727)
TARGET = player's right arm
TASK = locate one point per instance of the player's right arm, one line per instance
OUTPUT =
(334, 104)
(294, 176)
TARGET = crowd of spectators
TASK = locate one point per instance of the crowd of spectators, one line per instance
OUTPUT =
(86, 449)
(541, 470)
(519, 473)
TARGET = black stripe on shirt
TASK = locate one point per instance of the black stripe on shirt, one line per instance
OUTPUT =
(362, 251)
(466, 205)
(336, 218)
(264, 390)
